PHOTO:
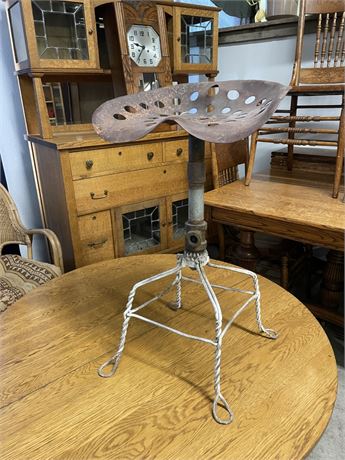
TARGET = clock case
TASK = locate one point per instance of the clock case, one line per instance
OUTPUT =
(119, 17)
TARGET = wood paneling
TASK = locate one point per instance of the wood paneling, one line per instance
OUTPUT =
(54, 197)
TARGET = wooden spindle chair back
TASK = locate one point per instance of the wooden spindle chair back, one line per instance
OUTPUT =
(329, 47)
(325, 76)
(225, 161)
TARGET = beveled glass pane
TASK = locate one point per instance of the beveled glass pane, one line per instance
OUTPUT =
(60, 30)
(141, 230)
(37, 12)
(18, 36)
(39, 29)
(79, 16)
(50, 53)
(196, 39)
(64, 53)
(62, 25)
(41, 45)
(81, 32)
(72, 7)
(44, 5)
(179, 217)
(58, 6)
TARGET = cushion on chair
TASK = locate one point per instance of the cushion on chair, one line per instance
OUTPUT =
(18, 276)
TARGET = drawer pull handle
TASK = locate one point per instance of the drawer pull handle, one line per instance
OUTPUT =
(88, 164)
(179, 152)
(96, 244)
(150, 155)
(99, 197)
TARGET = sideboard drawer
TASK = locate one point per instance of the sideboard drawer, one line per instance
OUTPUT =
(118, 158)
(100, 193)
(176, 150)
(96, 237)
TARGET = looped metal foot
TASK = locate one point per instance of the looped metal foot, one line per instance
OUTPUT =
(219, 400)
(113, 362)
(271, 334)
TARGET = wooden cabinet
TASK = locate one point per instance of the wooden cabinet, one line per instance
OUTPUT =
(105, 200)
(108, 201)
(53, 34)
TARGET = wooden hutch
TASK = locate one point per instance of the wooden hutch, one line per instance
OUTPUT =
(105, 200)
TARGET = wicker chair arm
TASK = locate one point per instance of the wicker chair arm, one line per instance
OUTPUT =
(54, 244)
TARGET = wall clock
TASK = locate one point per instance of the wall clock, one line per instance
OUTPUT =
(137, 42)
(144, 46)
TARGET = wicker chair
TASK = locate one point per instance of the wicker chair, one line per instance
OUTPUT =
(20, 275)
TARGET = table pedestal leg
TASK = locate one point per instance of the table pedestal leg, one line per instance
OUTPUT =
(333, 280)
(245, 253)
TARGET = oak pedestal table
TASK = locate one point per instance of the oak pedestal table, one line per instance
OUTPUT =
(55, 406)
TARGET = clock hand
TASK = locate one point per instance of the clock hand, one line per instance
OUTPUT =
(138, 44)
(141, 52)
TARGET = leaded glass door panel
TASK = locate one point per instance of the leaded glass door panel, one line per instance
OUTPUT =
(196, 40)
(141, 228)
(59, 33)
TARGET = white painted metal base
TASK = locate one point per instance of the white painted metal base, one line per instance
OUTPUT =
(195, 261)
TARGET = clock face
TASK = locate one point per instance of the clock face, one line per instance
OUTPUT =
(144, 46)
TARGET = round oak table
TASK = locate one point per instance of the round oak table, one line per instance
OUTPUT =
(158, 405)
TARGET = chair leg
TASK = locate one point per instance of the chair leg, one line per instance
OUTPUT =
(292, 124)
(251, 157)
(340, 154)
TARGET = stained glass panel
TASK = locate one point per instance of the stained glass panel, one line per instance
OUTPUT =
(141, 229)
(60, 29)
(196, 39)
(179, 218)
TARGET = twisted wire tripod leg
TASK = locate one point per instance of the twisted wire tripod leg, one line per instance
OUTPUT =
(115, 359)
(257, 296)
(219, 398)
(178, 303)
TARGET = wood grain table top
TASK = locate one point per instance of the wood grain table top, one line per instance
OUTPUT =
(158, 405)
(296, 205)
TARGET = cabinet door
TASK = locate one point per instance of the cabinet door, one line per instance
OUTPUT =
(177, 215)
(96, 238)
(141, 228)
(59, 34)
(195, 40)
